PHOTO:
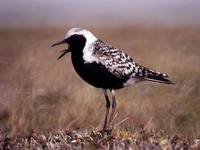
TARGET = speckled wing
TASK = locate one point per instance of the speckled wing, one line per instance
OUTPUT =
(122, 66)
(117, 62)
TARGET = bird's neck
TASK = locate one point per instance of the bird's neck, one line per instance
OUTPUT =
(77, 53)
(77, 48)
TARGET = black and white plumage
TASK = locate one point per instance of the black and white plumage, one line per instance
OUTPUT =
(104, 66)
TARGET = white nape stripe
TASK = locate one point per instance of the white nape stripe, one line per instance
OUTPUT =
(88, 49)
(90, 39)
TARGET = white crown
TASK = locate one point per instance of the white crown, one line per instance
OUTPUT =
(87, 34)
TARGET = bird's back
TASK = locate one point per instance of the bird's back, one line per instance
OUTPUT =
(122, 66)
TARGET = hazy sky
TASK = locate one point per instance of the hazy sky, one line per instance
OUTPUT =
(167, 12)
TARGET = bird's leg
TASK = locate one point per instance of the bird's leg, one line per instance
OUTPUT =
(107, 109)
(114, 104)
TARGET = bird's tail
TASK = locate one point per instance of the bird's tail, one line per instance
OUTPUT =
(154, 76)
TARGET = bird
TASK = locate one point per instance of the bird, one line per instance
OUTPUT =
(106, 67)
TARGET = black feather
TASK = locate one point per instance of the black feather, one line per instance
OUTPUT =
(154, 76)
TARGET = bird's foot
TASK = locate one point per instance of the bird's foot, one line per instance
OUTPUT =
(106, 131)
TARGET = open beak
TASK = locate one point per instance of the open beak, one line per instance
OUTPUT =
(63, 52)
(59, 43)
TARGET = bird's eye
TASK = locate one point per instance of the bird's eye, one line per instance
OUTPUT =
(76, 35)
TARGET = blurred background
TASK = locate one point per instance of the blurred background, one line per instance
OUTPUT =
(105, 12)
(39, 92)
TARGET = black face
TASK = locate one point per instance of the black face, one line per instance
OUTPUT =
(76, 41)
(76, 44)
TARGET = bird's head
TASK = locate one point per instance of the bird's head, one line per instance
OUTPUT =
(76, 38)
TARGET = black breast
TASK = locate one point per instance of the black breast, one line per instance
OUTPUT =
(96, 74)
(93, 73)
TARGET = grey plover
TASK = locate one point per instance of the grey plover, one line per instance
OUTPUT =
(104, 66)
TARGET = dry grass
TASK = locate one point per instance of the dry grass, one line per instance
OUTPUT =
(39, 92)
(84, 140)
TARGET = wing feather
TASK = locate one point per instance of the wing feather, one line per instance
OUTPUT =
(117, 62)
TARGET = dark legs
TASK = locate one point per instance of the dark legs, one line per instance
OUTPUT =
(106, 123)
(114, 104)
(107, 109)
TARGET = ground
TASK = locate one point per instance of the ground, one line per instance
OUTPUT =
(45, 94)
(118, 139)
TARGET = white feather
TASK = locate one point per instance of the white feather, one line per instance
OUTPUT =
(88, 49)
